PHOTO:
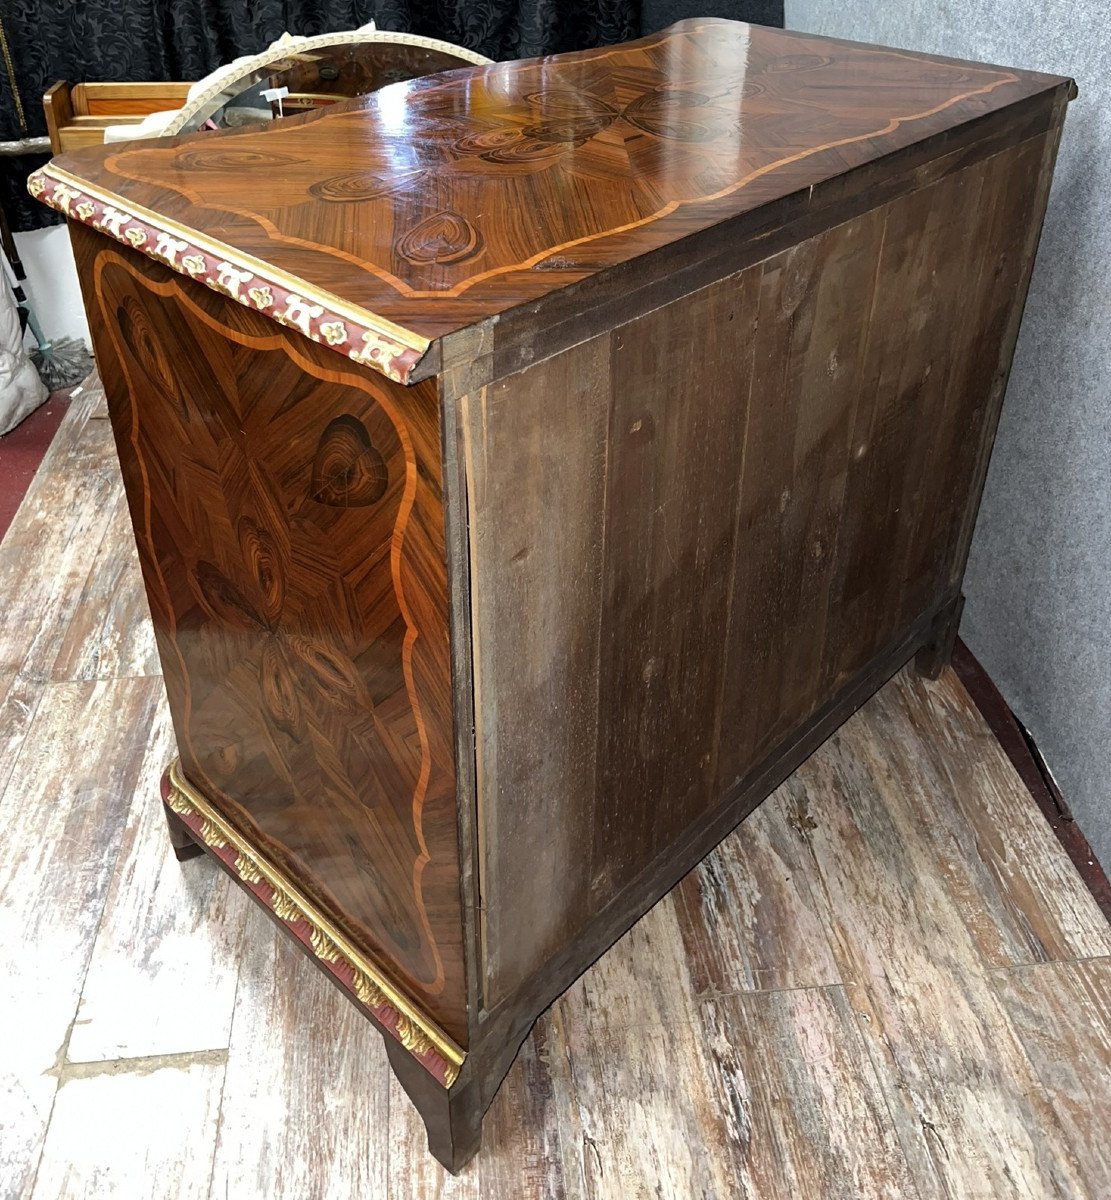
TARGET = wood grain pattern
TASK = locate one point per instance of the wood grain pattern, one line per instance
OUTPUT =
(901, 946)
(819, 1125)
(1000, 853)
(299, 1050)
(765, 1089)
(110, 635)
(19, 698)
(63, 817)
(748, 920)
(156, 985)
(1062, 1013)
(675, 449)
(755, 507)
(108, 1131)
(814, 1125)
(588, 161)
(84, 441)
(291, 536)
(65, 527)
(554, 431)
(621, 1114)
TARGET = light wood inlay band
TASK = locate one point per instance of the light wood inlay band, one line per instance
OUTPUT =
(416, 1032)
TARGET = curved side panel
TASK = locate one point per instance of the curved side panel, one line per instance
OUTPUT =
(289, 521)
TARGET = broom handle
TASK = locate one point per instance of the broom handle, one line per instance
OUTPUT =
(7, 242)
(23, 303)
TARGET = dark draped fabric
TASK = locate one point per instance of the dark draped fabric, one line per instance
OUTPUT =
(121, 40)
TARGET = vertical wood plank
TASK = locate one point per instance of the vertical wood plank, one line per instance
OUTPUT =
(905, 364)
(806, 382)
(985, 369)
(680, 381)
(970, 346)
(536, 645)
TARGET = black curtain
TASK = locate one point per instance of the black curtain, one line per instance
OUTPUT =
(86, 40)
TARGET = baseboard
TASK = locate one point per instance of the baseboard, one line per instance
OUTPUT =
(1016, 743)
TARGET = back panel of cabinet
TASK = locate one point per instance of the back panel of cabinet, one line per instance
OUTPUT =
(691, 534)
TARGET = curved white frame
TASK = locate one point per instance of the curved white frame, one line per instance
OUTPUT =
(288, 44)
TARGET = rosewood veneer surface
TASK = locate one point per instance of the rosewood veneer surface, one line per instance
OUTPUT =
(531, 465)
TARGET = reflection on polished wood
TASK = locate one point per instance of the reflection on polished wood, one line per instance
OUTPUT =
(443, 201)
(294, 565)
(479, 659)
(204, 824)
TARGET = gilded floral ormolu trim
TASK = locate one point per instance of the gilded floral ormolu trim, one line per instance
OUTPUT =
(432, 1048)
(359, 335)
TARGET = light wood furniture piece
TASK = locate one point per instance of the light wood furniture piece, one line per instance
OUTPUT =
(315, 72)
(531, 465)
(77, 114)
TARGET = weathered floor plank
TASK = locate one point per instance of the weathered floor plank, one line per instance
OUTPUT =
(1013, 883)
(110, 635)
(45, 560)
(640, 1078)
(1062, 1012)
(62, 816)
(164, 966)
(807, 1110)
(84, 439)
(147, 1131)
(305, 1106)
(19, 698)
(972, 1116)
(747, 916)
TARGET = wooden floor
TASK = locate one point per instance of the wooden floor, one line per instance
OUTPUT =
(890, 982)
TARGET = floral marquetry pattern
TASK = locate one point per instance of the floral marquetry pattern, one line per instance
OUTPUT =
(430, 1046)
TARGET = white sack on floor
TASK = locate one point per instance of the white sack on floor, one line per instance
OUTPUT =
(21, 389)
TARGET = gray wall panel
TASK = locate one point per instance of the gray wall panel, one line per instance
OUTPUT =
(1039, 578)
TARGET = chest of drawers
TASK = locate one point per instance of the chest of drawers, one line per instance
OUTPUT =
(530, 465)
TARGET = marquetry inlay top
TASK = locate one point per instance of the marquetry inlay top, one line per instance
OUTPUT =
(435, 203)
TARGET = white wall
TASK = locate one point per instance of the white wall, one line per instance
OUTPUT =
(1039, 579)
(51, 284)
